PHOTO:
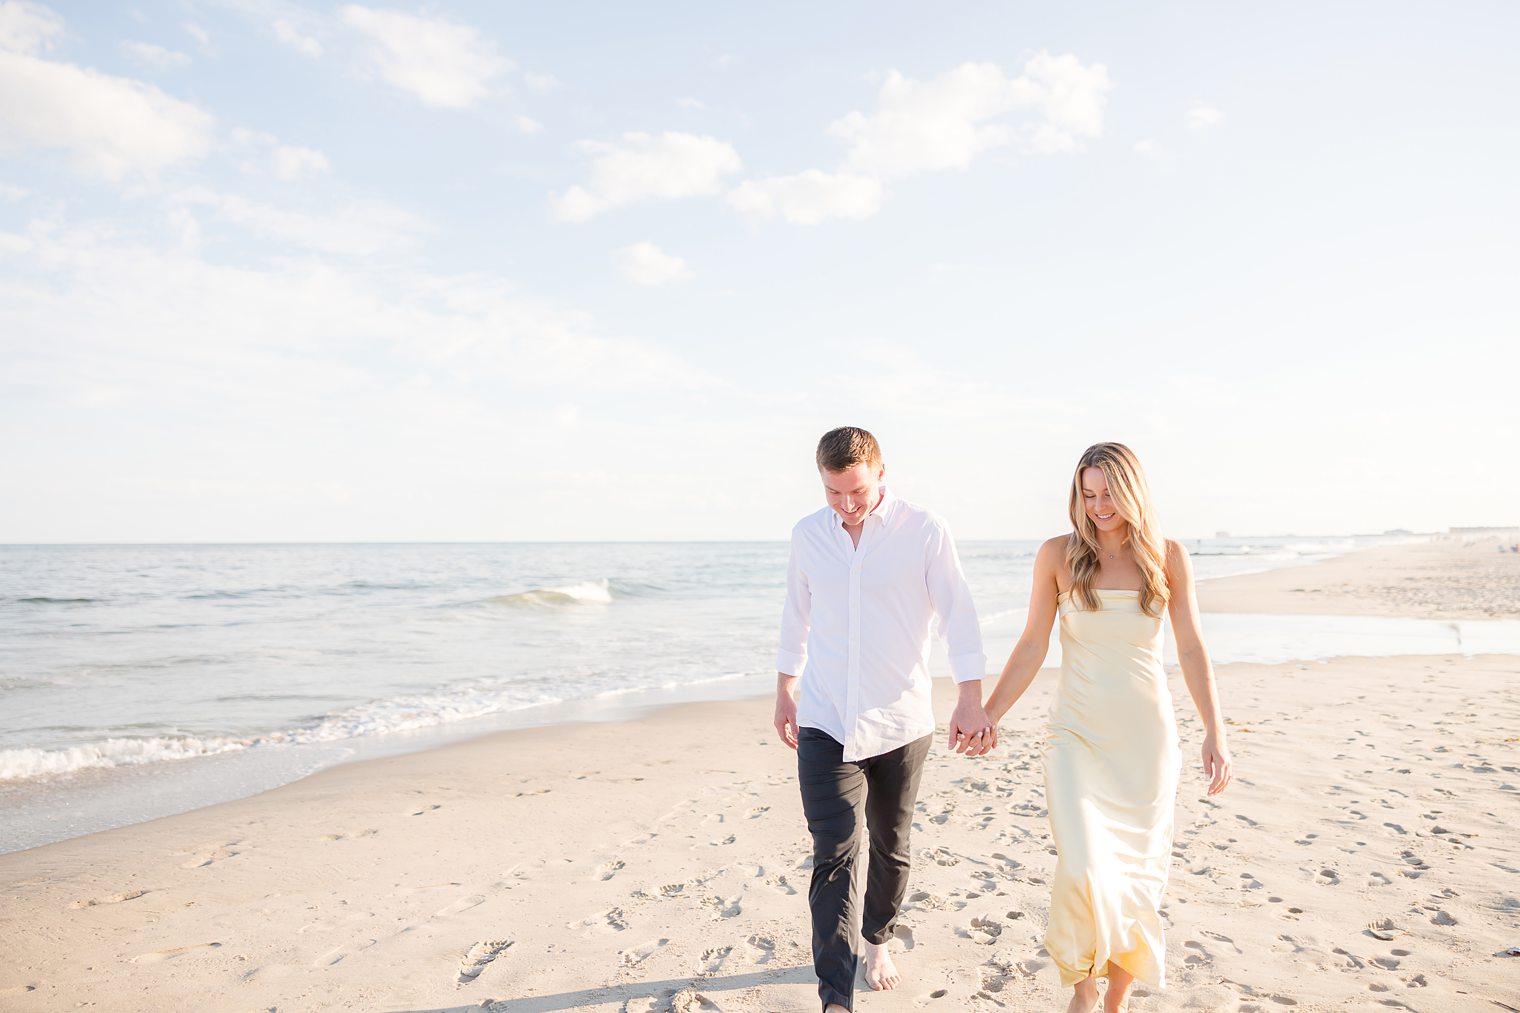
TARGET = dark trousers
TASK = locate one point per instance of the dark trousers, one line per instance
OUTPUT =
(837, 796)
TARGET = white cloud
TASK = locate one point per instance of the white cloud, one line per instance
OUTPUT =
(112, 126)
(443, 63)
(198, 33)
(808, 198)
(1202, 116)
(947, 122)
(357, 229)
(1151, 149)
(157, 322)
(688, 102)
(27, 27)
(9, 191)
(541, 82)
(292, 36)
(647, 264)
(148, 55)
(528, 124)
(647, 167)
(293, 163)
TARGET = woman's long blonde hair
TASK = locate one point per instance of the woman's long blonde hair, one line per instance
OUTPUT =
(1132, 498)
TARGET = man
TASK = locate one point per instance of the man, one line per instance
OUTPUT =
(867, 575)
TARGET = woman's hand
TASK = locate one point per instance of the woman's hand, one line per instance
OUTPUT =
(1216, 763)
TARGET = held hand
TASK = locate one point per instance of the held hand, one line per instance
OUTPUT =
(971, 732)
(1216, 764)
(786, 719)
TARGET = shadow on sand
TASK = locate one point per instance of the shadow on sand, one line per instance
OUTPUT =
(662, 991)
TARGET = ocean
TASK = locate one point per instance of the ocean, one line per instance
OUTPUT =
(141, 680)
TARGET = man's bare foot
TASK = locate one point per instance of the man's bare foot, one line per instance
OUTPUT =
(834, 1007)
(881, 973)
(1084, 996)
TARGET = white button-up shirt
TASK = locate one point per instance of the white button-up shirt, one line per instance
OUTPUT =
(856, 625)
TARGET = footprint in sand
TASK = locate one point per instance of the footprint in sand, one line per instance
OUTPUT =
(115, 898)
(942, 857)
(478, 957)
(985, 930)
(757, 812)
(1200, 955)
(1352, 960)
(609, 919)
(462, 904)
(996, 976)
(725, 908)
(691, 1001)
(609, 869)
(1328, 877)
(211, 855)
(1221, 938)
(1442, 918)
(336, 954)
(780, 883)
(764, 946)
(159, 956)
(635, 955)
(713, 959)
(427, 809)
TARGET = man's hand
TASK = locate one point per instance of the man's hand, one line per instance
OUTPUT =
(971, 731)
(786, 708)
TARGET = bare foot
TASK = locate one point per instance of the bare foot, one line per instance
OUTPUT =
(1084, 997)
(881, 973)
(834, 1007)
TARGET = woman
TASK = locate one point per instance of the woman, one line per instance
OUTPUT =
(1111, 755)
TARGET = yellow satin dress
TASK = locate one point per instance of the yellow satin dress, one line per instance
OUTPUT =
(1111, 768)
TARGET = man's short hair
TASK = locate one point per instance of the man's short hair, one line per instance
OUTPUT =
(843, 448)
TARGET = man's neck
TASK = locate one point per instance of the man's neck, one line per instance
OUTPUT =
(854, 530)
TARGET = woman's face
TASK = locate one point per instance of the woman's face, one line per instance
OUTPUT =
(1101, 509)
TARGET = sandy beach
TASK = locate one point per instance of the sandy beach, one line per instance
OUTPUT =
(1365, 857)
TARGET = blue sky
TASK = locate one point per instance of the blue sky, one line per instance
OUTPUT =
(460, 271)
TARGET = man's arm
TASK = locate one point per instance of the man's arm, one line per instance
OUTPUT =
(970, 730)
(791, 659)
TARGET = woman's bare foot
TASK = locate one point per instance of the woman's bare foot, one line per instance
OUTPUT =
(881, 972)
(1084, 996)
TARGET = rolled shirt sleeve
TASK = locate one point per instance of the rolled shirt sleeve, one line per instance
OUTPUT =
(954, 611)
(791, 659)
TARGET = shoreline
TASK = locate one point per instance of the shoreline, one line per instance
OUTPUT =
(91, 797)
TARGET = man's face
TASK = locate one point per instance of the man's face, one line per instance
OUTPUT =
(853, 493)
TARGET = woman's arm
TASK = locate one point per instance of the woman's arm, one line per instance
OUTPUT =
(1029, 653)
(1197, 671)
